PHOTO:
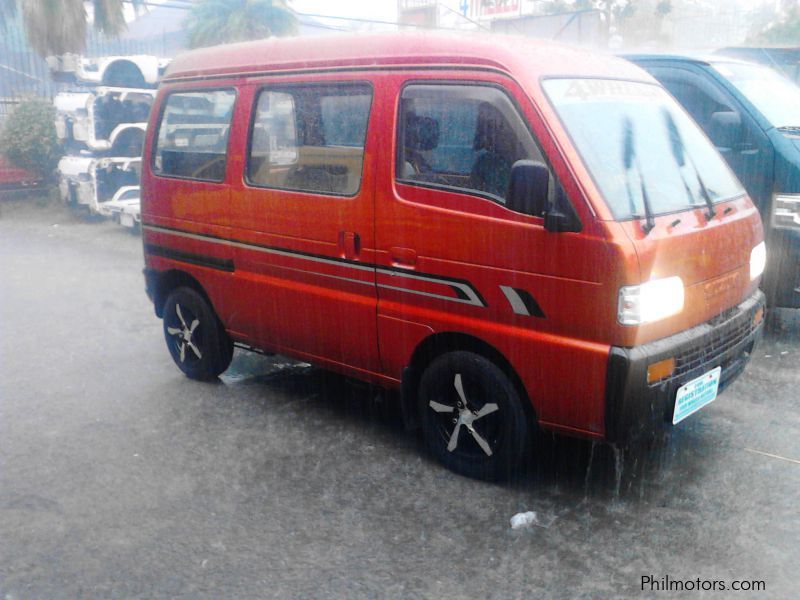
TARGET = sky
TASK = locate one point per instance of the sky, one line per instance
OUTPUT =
(380, 10)
(386, 10)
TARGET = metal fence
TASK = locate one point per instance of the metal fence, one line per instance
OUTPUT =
(23, 73)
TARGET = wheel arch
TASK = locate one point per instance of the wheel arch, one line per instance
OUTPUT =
(441, 343)
(121, 132)
(167, 281)
(118, 66)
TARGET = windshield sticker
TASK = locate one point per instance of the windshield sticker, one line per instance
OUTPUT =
(585, 90)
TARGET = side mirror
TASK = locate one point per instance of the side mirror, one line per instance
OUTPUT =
(558, 222)
(528, 188)
(725, 130)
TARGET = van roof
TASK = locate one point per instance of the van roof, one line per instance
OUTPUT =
(503, 53)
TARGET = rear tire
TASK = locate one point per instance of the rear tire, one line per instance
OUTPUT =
(195, 338)
(472, 416)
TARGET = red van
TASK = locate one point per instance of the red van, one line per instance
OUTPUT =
(512, 234)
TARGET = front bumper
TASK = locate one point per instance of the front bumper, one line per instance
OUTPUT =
(635, 408)
(782, 277)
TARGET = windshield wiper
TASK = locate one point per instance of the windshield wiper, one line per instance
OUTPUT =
(680, 155)
(629, 158)
(704, 191)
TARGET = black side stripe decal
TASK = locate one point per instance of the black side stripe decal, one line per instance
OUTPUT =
(522, 302)
(464, 290)
(200, 260)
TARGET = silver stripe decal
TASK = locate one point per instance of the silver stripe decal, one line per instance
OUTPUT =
(517, 305)
(431, 294)
(472, 297)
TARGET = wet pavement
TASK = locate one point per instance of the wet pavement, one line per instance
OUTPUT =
(119, 477)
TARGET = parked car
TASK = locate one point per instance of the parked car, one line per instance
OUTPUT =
(14, 178)
(104, 120)
(509, 235)
(123, 208)
(752, 115)
(786, 60)
(88, 182)
(131, 216)
(117, 71)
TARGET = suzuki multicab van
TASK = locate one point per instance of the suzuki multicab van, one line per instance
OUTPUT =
(511, 234)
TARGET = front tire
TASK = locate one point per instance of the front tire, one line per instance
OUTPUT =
(472, 416)
(195, 338)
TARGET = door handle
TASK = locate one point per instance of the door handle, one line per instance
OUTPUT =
(350, 244)
(403, 257)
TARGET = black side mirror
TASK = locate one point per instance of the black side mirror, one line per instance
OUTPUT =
(528, 188)
(726, 130)
(558, 222)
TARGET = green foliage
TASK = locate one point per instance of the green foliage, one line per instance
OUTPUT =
(213, 22)
(784, 32)
(663, 8)
(29, 138)
(57, 26)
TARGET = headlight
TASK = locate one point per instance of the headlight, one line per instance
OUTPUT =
(758, 260)
(650, 301)
(786, 210)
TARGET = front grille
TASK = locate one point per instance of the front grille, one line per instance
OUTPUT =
(718, 342)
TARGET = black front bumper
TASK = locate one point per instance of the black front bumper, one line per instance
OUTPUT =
(782, 277)
(635, 408)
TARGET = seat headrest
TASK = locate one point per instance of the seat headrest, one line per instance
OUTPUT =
(422, 133)
(489, 128)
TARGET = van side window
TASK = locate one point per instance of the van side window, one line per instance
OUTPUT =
(461, 136)
(193, 135)
(310, 138)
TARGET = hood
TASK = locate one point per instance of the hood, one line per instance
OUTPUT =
(712, 258)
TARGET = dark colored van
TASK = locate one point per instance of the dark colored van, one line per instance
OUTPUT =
(752, 115)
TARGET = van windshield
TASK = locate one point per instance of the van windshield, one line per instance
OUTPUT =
(774, 95)
(643, 151)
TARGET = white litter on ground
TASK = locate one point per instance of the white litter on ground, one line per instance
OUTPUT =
(524, 519)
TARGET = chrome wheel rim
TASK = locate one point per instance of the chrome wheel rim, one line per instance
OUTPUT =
(467, 420)
(186, 335)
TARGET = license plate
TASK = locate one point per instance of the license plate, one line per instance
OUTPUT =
(126, 220)
(696, 394)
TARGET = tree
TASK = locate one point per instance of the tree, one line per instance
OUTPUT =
(29, 138)
(786, 30)
(55, 27)
(614, 11)
(213, 22)
(663, 8)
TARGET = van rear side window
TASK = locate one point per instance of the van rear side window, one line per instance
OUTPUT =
(310, 138)
(193, 135)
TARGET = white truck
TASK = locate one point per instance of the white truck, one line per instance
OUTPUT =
(88, 181)
(106, 119)
(137, 71)
(124, 208)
